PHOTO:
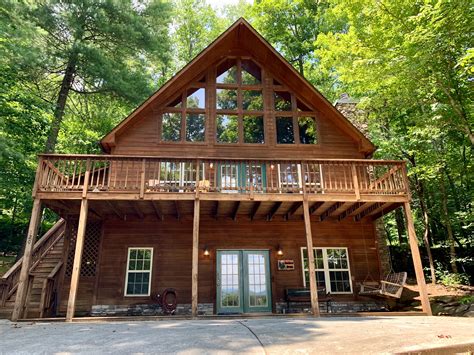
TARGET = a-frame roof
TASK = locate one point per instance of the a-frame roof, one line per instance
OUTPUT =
(242, 35)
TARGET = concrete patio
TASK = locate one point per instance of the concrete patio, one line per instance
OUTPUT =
(272, 335)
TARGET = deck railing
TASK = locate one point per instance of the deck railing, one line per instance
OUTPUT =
(99, 173)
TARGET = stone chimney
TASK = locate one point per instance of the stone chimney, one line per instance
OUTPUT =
(348, 107)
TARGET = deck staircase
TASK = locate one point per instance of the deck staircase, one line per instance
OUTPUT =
(46, 265)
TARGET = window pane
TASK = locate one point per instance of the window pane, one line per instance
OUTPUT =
(226, 99)
(308, 134)
(227, 73)
(285, 133)
(251, 73)
(196, 98)
(227, 129)
(282, 101)
(252, 100)
(195, 127)
(340, 281)
(253, 129)
(171, 127)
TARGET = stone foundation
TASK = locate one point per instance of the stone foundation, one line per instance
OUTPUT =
(147, 310)
(208, 308)
(333, 307)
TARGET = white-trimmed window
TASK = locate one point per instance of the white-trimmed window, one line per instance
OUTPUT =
(332, 269)
(138, 276)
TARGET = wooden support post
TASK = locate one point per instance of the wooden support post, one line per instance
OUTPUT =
(355, 181)
(26, 263)
(76, 269)
(415, 254)
(194, 272)
(312, 271)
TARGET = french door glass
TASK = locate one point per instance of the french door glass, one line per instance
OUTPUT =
(243, 281)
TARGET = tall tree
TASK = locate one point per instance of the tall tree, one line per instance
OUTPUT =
(410, 64)
(195, 25)
(95, 47)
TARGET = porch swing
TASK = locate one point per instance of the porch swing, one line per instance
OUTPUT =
(391, 286)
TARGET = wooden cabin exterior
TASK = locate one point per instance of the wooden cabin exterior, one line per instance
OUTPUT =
(216, 186)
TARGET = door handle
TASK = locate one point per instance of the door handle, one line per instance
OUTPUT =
(218, 281)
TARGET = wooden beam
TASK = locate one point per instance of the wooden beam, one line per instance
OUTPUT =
(137, 210)
(355, 209)
(195, 259)
(330, 211)
(115, 210)
(176, 206)
(276, 206)
(315, 206)
(342, 208)
(387, 209)
(323, 207)
(156, 208)
(415, 254)
(291, 211)
(236, 210)
(255, 208)
(21, 291)
(76, 268)
(370, 210)
(312, 271)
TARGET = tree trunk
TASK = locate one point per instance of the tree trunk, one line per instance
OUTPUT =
(61, 103)
(444, 203)
(400, 225)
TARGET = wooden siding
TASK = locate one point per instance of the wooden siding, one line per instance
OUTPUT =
(142, 139)
(172, 243)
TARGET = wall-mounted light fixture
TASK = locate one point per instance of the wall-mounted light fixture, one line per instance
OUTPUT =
(206, 251)
(279, 250)
(211, 165)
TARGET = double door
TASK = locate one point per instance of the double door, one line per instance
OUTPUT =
(243, 281)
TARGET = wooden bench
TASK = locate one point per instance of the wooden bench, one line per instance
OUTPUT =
(303, 295)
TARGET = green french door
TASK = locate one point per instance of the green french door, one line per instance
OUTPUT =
(243, 281)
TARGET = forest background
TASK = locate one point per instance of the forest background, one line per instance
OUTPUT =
(71, 70)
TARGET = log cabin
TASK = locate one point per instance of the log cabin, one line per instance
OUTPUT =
(215, 187)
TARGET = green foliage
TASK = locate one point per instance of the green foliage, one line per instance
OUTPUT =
(449, 279)
(466, 299)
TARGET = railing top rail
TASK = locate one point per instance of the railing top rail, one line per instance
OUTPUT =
(160, 157)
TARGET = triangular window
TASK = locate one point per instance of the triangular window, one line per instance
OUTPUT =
(227, 72)
(251, 73)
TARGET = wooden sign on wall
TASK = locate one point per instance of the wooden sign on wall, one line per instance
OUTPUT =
(285, 265)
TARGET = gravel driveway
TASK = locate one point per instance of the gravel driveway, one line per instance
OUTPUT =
(272, 335)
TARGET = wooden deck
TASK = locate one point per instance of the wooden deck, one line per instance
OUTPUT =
(230, 187)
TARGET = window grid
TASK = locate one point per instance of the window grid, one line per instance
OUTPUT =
(230, 280)
(138, 274)
(242, 98)
(335, 278)
(257, 281)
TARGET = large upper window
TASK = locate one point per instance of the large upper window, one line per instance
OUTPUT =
(239, 102)
(184, 118)
(138, 277)
(294, 121)
(332, 269)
